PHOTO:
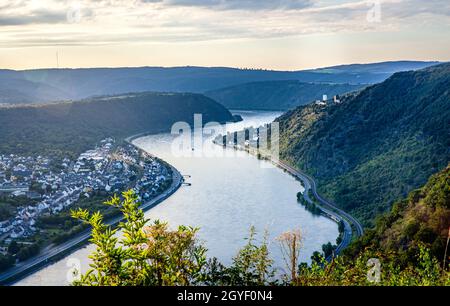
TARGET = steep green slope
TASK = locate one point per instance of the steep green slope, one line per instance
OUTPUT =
(422, 218)
(69, 128)
(276, 95)
(377, 145)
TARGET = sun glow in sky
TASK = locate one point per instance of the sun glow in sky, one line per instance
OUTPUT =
(272, 34)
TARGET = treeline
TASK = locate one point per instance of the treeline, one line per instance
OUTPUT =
(67, 129)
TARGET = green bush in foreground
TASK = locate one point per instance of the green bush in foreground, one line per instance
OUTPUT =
(144, 255)
(153, 255)
(374, 268)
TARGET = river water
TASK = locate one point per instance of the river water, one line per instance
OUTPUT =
(229, 192)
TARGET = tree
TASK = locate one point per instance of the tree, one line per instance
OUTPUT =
(328, 249)
(13, 248)
(144, 255)
(6, 261)
(26, 252)
(341, 226)
(252, 266)
(291, 243)
(316, 257)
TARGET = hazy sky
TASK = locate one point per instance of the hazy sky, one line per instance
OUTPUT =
(273, 34)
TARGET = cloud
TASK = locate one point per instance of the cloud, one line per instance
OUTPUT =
(33, 17)
(241, 4)
(83, 22)
(22, 13)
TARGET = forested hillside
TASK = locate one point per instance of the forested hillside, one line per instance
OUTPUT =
(276, 95)
(377, 145)
(421, 218)
(70, 128)
(43, 85)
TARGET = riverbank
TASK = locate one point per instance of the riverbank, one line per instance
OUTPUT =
(51, 255)
(227, 196)
(352, 227)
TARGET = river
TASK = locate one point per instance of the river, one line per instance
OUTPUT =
(229, 192)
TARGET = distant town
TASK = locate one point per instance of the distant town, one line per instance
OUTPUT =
(39, 189)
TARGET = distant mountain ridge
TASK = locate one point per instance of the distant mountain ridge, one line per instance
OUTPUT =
(382, 67)
(43, 85)
(377, 145)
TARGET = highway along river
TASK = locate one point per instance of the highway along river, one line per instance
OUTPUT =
(227, 195)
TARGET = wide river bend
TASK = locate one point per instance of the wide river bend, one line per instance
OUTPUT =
(228, 194)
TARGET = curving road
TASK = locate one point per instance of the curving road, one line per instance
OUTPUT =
(329, 208)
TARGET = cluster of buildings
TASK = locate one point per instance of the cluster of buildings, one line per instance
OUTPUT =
(108, 168)
(155, 175)
(17, 173)
(336, 100)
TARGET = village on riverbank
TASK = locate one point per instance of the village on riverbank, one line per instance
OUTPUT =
(37, 194)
